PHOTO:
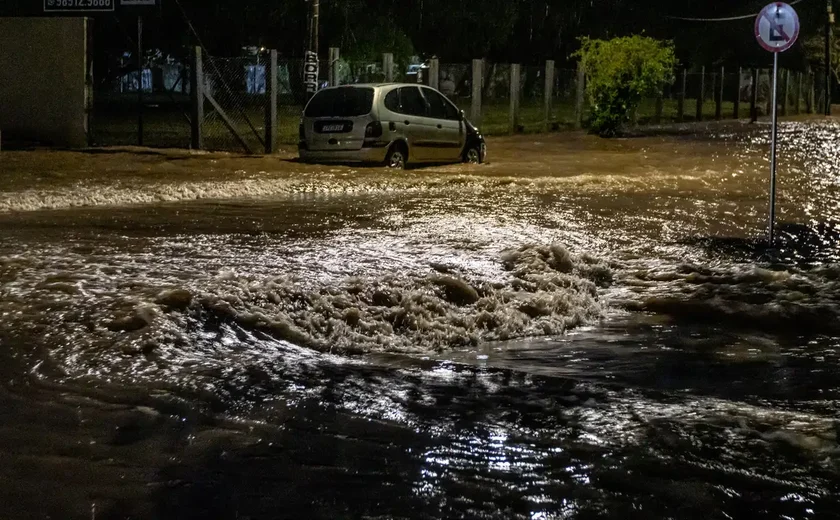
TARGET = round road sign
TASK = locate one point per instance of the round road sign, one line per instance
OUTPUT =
(777, 27)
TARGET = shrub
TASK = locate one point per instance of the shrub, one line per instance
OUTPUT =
(619, 73)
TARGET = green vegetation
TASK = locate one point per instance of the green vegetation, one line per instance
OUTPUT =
(620, 72)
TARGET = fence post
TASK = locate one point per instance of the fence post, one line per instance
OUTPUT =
(770, 94)
(515, 91)
(271, 107)
(798, 106)
(434, 73)
(719, 95)
(388, 66)
(681, 99)
(197, 100)
(809, 94)
(476, 80)
(335, 54)
(657, 115)
(754, 97)
(580, 90)
(736, 108)
(699, 112)
(548, 93)
(785, 96)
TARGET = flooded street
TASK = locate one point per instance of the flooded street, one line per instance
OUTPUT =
(581, 328)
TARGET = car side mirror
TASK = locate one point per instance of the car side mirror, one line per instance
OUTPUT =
(461, 115)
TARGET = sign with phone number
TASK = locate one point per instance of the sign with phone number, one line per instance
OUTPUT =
(53, 6)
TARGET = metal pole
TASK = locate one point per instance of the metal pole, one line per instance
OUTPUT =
(773, 149)
(828, 22)
(139, 81)
(316, 22)
(197, 100)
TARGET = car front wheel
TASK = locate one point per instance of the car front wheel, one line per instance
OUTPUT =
(474, 154)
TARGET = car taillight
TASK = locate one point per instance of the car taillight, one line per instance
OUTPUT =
(373, 129)
(301, 133)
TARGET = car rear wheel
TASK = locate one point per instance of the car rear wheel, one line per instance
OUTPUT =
(397, 157)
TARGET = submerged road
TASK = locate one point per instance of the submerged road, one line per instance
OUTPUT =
(580, 328)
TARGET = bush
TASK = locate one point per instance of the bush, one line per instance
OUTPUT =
(619, 73)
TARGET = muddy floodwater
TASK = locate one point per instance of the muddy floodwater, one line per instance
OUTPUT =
(580, 328)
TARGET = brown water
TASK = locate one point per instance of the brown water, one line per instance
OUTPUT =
(578, 329)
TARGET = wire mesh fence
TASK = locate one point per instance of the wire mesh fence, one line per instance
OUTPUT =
(238, 98)
(563, 110)
(235, 109)
(116, 112)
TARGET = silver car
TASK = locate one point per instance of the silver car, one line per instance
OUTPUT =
(393, 124)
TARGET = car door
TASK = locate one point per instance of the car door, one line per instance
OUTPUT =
(448, 130)
(415, 124)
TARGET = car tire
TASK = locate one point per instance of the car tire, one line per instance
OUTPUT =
(397, 157)
(474, 154)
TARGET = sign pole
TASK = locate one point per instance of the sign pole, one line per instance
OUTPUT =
(773, 148)
(776, 29)
(139, 81)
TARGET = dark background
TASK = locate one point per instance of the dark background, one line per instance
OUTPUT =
(524, 31)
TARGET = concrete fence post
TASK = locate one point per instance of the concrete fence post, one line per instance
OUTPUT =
(770, 94)
(681, 99)
(809, 94)
(434, 73)
(548, 93)
(477, 80)
(754, 97)
(701, 94)
(335, 55)
(784, 93)
(515, 92)
(797, 107)
(197, 100)
(657, 114)
(271, 106)
(719, 95)
(736, 105)
(388, 66)
(580, 92)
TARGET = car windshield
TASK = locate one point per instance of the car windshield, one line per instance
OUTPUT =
(341, 102)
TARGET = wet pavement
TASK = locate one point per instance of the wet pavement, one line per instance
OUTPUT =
(578, 329)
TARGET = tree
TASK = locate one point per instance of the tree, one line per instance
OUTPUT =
(619, 73)
(815, 51)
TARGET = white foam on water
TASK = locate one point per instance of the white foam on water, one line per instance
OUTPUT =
(143, 192)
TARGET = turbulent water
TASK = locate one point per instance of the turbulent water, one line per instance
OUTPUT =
(579, 329)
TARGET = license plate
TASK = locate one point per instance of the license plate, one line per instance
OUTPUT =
(332, 128)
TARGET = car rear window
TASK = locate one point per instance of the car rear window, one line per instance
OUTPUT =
(341, 102)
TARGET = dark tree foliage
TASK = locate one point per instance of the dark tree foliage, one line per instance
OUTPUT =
(525, 31)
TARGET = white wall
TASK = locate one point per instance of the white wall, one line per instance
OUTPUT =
(42, 80)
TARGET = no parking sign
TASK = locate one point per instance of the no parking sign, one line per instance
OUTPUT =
(776, 29)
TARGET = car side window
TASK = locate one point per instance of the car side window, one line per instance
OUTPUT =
(392, 101)
(412, 102)
(440, 107)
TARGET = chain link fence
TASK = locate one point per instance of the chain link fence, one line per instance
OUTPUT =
(238, 98)
(116, 114)
(234, 113)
